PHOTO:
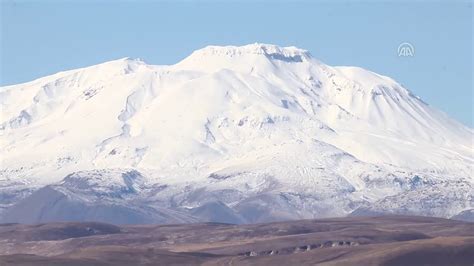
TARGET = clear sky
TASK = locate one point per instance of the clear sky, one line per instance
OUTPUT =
(43, 37)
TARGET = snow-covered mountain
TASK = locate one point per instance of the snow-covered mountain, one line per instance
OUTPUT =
(234, 134)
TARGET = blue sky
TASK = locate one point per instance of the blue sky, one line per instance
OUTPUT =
(43, 37)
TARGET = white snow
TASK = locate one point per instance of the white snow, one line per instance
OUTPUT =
(258, 111)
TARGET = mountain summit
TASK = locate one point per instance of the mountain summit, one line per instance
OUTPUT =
(234, 134)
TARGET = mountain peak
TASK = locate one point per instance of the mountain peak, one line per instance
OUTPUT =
(125, 61)
(290, 53)
(242, 58)
(254, 127)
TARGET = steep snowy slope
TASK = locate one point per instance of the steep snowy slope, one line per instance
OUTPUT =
(266, 132)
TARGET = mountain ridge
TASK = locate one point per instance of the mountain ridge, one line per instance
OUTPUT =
(251, 128)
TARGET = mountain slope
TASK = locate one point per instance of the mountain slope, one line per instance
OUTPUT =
(270, 132)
